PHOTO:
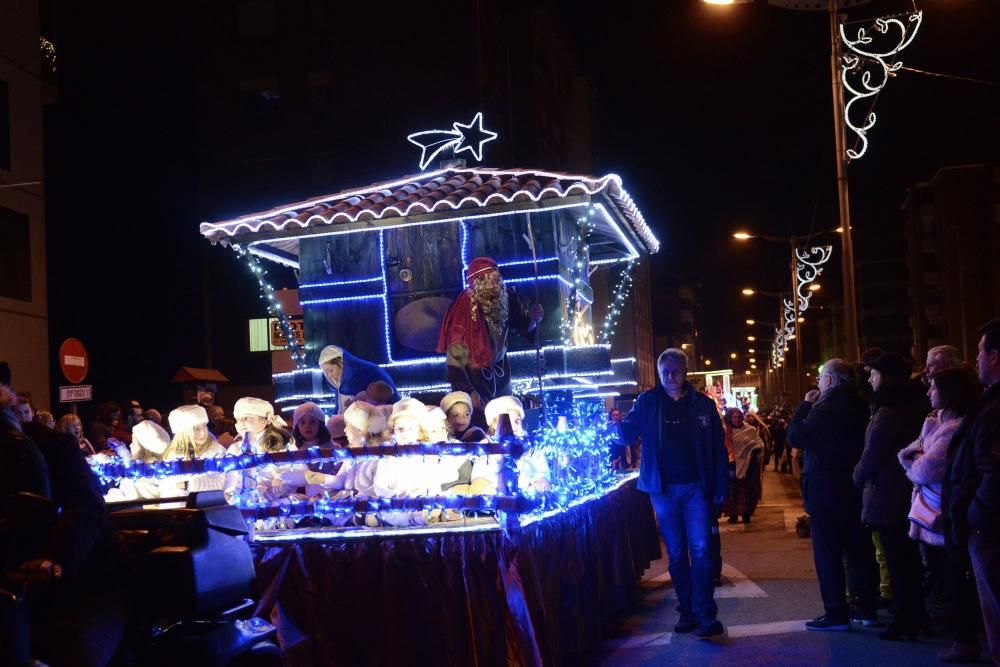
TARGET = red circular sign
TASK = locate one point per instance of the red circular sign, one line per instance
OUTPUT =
(73, 360)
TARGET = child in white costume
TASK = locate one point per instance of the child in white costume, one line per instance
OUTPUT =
(193, 440)
(257, 427)
(533, 469)
(149, 443)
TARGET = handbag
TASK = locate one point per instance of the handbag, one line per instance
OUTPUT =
(925, 509)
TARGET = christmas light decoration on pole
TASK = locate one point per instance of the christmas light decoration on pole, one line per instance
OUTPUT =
(864, 71)
(808, 267)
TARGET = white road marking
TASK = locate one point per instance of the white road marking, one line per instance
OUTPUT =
(642, 640)
(735, 584)
(761, 629)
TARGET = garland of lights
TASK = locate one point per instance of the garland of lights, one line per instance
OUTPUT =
(575, 449)
(809, 267)
(517, 504)
(864, 61)
(621, 293)
(274, 307)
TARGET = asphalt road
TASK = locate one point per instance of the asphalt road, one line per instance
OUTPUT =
(769, 590)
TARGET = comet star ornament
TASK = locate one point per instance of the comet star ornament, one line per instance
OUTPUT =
(462, 137)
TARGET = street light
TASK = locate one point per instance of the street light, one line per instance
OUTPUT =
(751, 322)
(747, 291)
(751, 338)
(751, 351)
(708, 362)
(815, 287)
(732, 355)
(840, 143)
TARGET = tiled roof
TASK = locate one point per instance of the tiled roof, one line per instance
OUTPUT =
(432, 192)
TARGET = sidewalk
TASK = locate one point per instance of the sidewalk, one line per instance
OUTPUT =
(769, 591)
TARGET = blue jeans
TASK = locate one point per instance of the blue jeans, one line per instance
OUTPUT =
(685, 518)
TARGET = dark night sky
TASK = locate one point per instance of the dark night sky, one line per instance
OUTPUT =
(717, 119)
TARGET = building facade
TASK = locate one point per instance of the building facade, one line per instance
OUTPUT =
(953, 240)
(26, 88)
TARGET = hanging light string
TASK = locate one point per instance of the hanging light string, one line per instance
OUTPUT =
(621, 293)
(274, 307)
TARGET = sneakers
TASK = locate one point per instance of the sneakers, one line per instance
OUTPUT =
(685, 625)
(866, 620)
(710, 631)
(828, 623)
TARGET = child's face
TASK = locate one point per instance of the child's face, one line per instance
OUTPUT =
(309, 428)
(459, 417)
(200, 433)
(251, 424)
(406, 430)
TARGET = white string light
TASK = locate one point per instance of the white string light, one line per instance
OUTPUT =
(862, 55)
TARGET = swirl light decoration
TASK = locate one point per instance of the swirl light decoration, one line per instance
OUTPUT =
(808, 267)
(864, 71)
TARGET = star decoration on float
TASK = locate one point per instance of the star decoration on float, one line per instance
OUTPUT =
(462, 137)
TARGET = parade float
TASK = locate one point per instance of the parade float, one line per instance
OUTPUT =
(520, 570)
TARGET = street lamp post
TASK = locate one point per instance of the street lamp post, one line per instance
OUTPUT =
(843, 198)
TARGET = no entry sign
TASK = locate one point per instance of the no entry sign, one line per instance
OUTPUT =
(73, 360)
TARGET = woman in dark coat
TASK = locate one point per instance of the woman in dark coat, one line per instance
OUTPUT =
(898, 411)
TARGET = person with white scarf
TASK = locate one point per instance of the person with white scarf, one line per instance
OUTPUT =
(745, 449)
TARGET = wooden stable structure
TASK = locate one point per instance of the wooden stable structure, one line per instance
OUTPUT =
(377, 266)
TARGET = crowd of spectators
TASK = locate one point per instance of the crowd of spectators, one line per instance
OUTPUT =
(899, 478)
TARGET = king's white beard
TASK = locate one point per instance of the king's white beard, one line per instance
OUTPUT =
(494, 307)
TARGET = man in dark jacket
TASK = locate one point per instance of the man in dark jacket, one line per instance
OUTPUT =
(684, 469)
(829, 426)
(971, 494)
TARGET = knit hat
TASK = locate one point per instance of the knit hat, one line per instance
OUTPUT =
(186, 418)
(252, 407)
(307, 408)
(891, 364)
(330, 353)
(450, 400)
(151, 436)
(408, 407)
(502, 405)
(479, 266)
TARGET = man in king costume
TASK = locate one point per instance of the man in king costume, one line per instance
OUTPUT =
(474, 332)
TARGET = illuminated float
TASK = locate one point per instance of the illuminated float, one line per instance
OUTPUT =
(377, 269)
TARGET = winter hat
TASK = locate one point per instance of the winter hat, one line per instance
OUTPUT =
(435, 424)
(379, 392)
(479, 266)
(868, 355)
(337, 426)
(450, 400)
(252, 407)
(891, 364)
(186, 417)
(502, 405)
(330, 353)
(364, 417)
(307, 408)
(151, 436)
(408, 407)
